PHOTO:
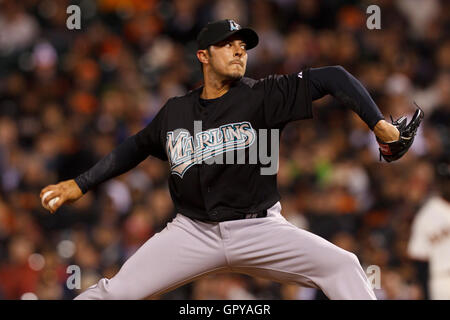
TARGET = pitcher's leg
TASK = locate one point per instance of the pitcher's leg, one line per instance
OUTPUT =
(274, 248)
(182, 252)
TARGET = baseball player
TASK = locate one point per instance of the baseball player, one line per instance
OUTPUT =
(229, 215)
(430, 237)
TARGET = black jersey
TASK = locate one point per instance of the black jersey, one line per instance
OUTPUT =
(190, 132)
(223, 191)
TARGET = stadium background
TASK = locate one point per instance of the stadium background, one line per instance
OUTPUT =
(68, 97)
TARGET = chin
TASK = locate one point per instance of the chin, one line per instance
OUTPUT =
(236, 75)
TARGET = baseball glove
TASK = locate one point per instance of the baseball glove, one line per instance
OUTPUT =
(392, 151)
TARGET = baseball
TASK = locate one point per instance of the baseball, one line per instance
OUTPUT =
(51, 202)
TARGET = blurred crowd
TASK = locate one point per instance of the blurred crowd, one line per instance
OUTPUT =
(68, 97)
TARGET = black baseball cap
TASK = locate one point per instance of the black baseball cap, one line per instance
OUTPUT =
(217, 31)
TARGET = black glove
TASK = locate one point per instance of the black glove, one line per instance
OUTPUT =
(392, 151)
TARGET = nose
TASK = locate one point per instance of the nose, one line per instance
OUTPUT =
(238, 51)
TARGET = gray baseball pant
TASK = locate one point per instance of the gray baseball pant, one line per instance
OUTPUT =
(269, 247)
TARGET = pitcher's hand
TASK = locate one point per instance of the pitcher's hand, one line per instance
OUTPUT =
(392, 150)
(386, 132)
(67, 191)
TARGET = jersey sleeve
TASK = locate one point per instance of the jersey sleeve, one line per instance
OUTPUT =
(419, 245)
(151, 138)
(287, 98)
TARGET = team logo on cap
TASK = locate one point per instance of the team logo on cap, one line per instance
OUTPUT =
(234, 25)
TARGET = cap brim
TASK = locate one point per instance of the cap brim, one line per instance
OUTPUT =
(248, 35)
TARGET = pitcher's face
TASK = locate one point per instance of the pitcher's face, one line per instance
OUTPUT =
(228, 58)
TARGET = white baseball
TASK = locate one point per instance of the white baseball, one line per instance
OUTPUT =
(51, 202)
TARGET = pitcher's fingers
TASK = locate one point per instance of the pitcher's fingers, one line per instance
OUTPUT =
(45, 206)
(57, 205)
(45, 199)
(50, 187)
(54, 194)
(43, 191)
(46, 195)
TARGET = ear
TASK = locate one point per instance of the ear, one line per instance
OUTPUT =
(203, 56)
